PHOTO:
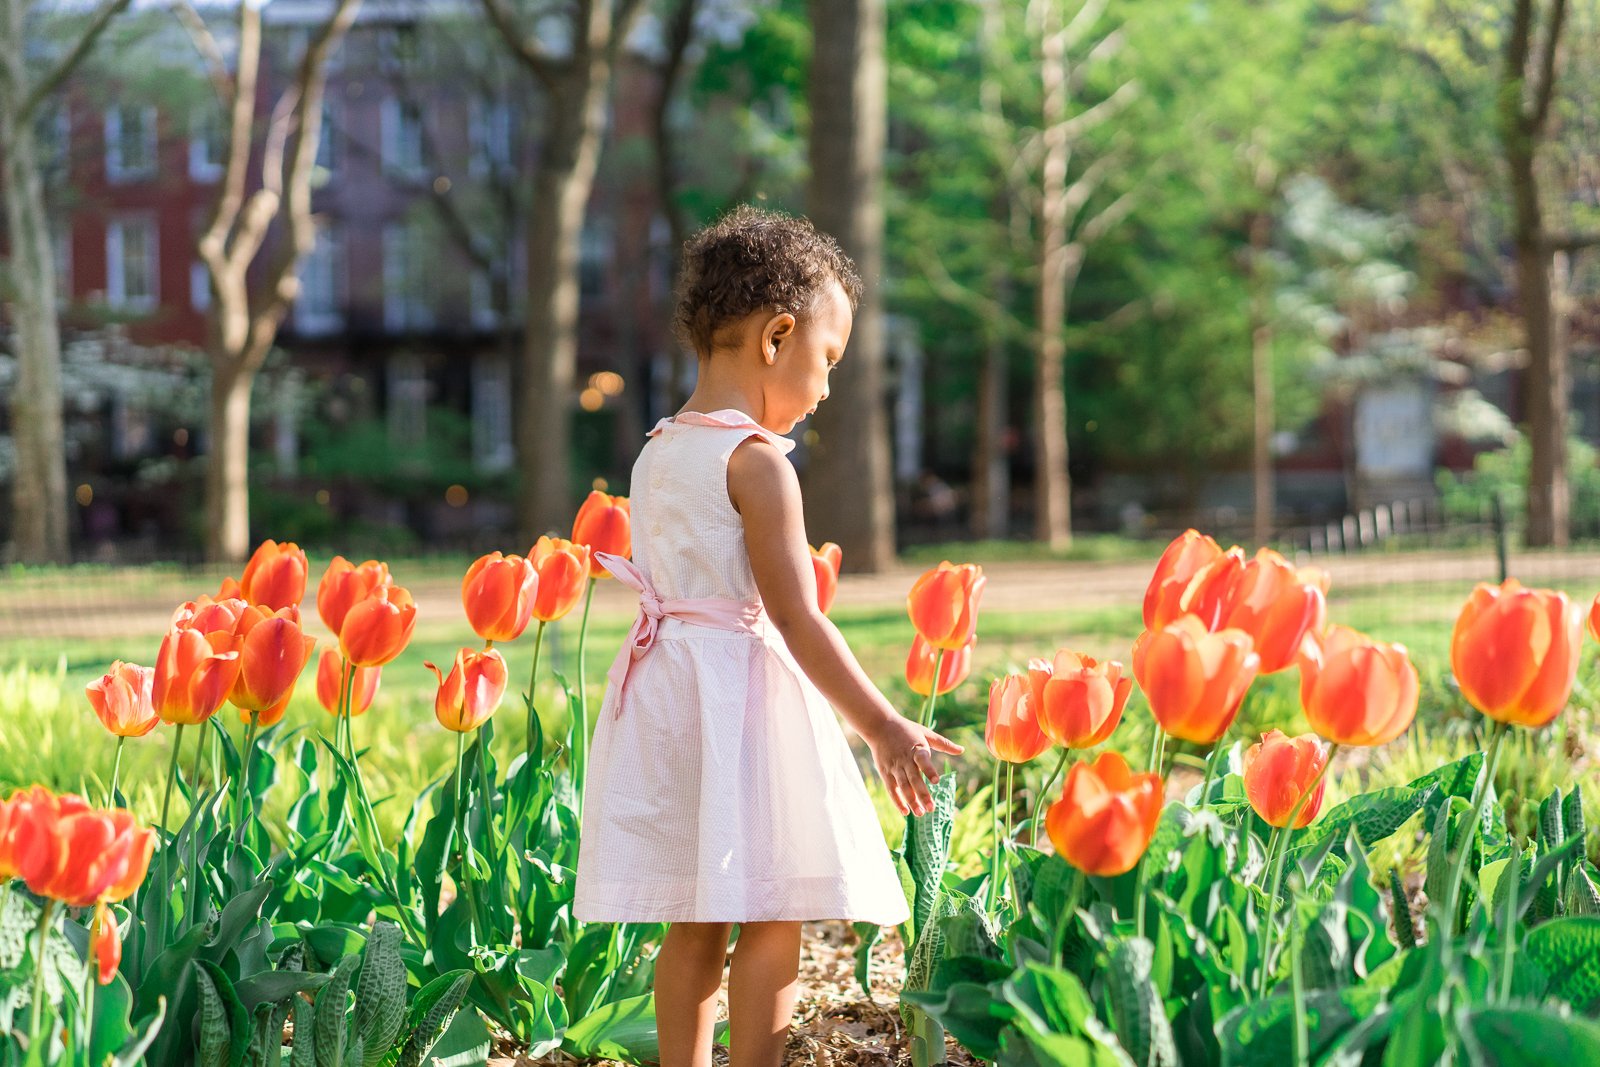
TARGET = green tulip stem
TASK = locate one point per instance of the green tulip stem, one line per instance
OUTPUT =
(194, 840)
(1010, 798)
(1302, 1035)
(1211, 773)
(933, 690)
(1044, 795)
(244, 771)
(347, 686)
(116, 772)
(488, 797)
(1480, 800)
(1278, 864)
(1154, 762)
(533, 677)
(580, 732)
(46, 912)
(1513, 872)
(463, 874)
(172, 774)
(91, 973)
(994, 828)
(1273, 841)
(1059, 940)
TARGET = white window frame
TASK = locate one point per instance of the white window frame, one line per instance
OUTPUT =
(493, 448)
(402, 154)
(489, 134)
(199, 286)
(404, 305)
(407, 400)
(116, 169)
(202, 168)
(327, 158)
(326, 315)
(116, 277)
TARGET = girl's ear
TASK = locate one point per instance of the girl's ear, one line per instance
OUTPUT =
(778, 329)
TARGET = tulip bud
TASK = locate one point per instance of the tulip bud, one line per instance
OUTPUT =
(1277, 605)
(825, 562)
(330, 676)
(1186, 555)
(943, 604)
(563, 569)
(471, 692)
(273, 650)
(1106, 816)
(604, 524)
(1354, 690)
(344, 585)
(377, 629)
(498, 594)
(193, 673)
(1515, 652)
(124, 699)
(1277, 770)
(1078, 700)
(953, 669)
(1012, 731)
(275, 577)
(105, 944)
(1195, 680)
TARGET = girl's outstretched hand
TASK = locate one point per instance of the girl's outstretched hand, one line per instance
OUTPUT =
(902, 751)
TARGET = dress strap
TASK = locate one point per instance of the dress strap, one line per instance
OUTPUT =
(722, 613)
(723, 419)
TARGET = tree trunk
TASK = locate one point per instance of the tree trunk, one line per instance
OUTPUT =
(39, 489)
(849, 486)
(1052, 487)
(550, 342)
(228, 465)
(1261, 373)
(991, 474)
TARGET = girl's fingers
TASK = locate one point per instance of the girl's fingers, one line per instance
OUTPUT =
(944, 744)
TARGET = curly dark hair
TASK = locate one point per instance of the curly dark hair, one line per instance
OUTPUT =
(753, 260)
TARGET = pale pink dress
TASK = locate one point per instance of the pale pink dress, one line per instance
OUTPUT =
(722, 789)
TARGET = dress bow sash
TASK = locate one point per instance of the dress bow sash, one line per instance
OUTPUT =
(721, 613)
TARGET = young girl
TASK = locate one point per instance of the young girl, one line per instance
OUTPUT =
(720, 787)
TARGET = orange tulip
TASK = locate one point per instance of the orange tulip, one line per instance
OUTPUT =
(498, 594)
(80, 856)
(825, 561)
(194, 672)
(1515, 652)
(1277, 605)
(1210, 593)
(275, 577)
(1012, 732)
(953, 670)
(944, 604)
(471, 692)
(207, 615)
(1594, 618)
(1106, 816)
(1186, 555)
(124, 701)
(1277, 770)
(105, 944)
(1195, 680)
(1077, 699)
(273, 650)
(377, 629)
(563, 567)
(11, 812)
(1357, 691)
(330, 675)
(604, 524)
(344, 584)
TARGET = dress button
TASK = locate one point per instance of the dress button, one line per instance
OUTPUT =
(656, 529)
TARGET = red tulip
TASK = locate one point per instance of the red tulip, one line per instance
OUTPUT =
(1078, 700)
(563, 569)
(1515, 652)
(1277, 605)
(1195, 680)
(80, 856)
(124, 699)
(1357, 691)
(1012, 731)
(345, 584)
(377, 629)
(194, 672)
(498, 594)
(1277, 770)
(953, 669)
(1106, 816)
(943, 604)
(275, 577)
(604, 524)
(330, 674)
(471, 692)
(273, 650)
(825, 561)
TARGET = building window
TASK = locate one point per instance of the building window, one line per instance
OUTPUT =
(53, 135)
(61, 247)
(130, 143)
(492, 447)
(327, 142)
(131, 263)
(205, 144)
(594, 258)
(489, 130)
(480, 294)
(402, 137)
(318, 308)
(408, 401)
(199, 286)
(406, 292)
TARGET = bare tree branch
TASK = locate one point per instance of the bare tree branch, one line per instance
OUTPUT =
(65, 66)
(205, 42)
(1571, 242)
(1546, 86)
(524, 46)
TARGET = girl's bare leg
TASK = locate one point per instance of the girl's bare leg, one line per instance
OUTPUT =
(763, 984)
(687, 981)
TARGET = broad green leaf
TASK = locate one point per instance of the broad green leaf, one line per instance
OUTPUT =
(1568, 950)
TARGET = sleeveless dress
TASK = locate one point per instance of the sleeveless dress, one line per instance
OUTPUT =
(720, 786)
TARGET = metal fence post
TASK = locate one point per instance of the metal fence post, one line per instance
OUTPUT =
(1497, 516)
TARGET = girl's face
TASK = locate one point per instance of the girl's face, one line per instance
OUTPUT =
(799, 355)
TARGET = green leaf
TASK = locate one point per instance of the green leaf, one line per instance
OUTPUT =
(622, 1030)
(224, 1026)
(380, 993)
(1136, 1008)
(1405, 930)
(1529, 1036)
(1568, 950)
(465, 1043)
(431, 1010)
(332, 1033)
(304, 1051)
(868, 934)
